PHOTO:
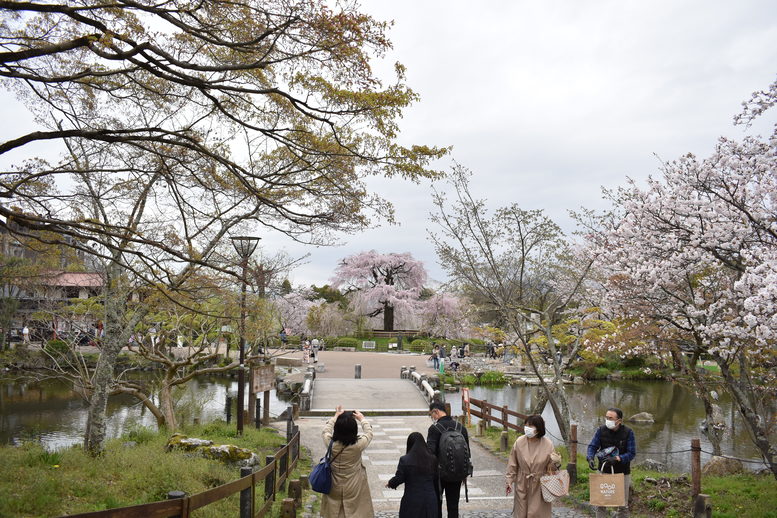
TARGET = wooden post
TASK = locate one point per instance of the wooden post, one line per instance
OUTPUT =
(481, 428)
(295, 492)
(269, 482)
(503, 441)
(175, 495)
(258, 414)
(702, 506)
(304, 482)
(288, 510)
(246, 495)
(283, 467)
(228, 408)
(695, 467)
(266, 403)
(504, 417)
(295, 410)
(251, 394)
(572, 464)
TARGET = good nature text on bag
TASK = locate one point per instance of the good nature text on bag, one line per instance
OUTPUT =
(321, 477)
(554, 485)
(607, 489)
(453, 454)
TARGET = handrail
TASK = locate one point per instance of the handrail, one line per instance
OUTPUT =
(485, 414)
(182, 507)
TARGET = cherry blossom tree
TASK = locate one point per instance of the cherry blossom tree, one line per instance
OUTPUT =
(446, 315)
(696, 251)
(381, 284)
(293, 312)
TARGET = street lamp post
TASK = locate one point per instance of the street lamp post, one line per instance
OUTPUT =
(244, 246)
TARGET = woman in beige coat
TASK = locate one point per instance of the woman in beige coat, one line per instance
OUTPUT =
(531, 457)
(350, 494)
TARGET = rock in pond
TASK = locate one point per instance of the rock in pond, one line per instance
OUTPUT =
(642, 417)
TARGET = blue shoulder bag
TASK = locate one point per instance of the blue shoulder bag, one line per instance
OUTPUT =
(321, 477)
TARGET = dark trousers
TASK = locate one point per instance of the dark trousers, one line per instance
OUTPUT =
(451, 490)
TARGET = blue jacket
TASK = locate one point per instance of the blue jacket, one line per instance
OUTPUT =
(623, 439)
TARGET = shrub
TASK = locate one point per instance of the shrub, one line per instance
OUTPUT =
(421, 346)
(347, 341)
(57, 347)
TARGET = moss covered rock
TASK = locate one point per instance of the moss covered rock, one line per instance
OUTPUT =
(227, 453)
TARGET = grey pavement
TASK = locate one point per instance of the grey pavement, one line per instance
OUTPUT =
(368, 395)
(486, 487)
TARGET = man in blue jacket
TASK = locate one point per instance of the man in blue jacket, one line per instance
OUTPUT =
(614, 434)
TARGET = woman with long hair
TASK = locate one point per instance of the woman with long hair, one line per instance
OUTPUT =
(417, 469)
(350, 494)
(532, 456)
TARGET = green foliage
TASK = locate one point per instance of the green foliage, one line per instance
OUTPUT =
(57, 347)
(34, 482)
(421, 346)
(493, 378)
(347, 341)
(469, 379)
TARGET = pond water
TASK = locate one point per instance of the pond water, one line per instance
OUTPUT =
(677, 411)
(53, 414)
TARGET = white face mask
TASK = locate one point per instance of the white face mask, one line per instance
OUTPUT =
(529, 431)
(610, 424)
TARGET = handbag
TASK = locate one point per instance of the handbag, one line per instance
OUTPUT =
(321, 476)
(554, 485)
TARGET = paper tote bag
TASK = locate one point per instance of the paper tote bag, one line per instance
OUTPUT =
(607, 489)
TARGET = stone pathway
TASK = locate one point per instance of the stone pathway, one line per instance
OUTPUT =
(486, 487)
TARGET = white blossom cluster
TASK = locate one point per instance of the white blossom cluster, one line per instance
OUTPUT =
(696, 250)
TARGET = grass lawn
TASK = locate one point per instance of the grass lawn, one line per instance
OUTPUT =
(35, 482)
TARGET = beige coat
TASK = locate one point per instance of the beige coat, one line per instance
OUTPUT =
(529, 460)
(350, 495)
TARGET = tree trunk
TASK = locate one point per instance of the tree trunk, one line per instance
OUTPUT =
(388, 318)
(166, 406)
(755, 422)
(117, 333)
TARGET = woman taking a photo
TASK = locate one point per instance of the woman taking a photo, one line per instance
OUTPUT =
(350, 494)
(417, 469)
(532, 456)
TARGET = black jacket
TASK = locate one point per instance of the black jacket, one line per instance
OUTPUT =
(421, 492)
(433, 435)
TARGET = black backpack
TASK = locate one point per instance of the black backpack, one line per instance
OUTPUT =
(453, 456)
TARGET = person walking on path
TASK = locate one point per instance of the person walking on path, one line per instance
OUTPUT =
(26, 335)
(436, 357)
(450, 487)
(532, 456)
(615, 447)
(417, 470)
(350, 494)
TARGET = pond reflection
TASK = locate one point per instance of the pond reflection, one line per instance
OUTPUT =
(52, 413)
(678, 415)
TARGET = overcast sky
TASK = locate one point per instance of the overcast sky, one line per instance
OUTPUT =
(548, 101)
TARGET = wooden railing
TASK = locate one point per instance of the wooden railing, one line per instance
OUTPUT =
(486, 411)
(274, 475)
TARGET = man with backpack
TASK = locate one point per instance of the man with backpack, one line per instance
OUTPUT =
(449, 442)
